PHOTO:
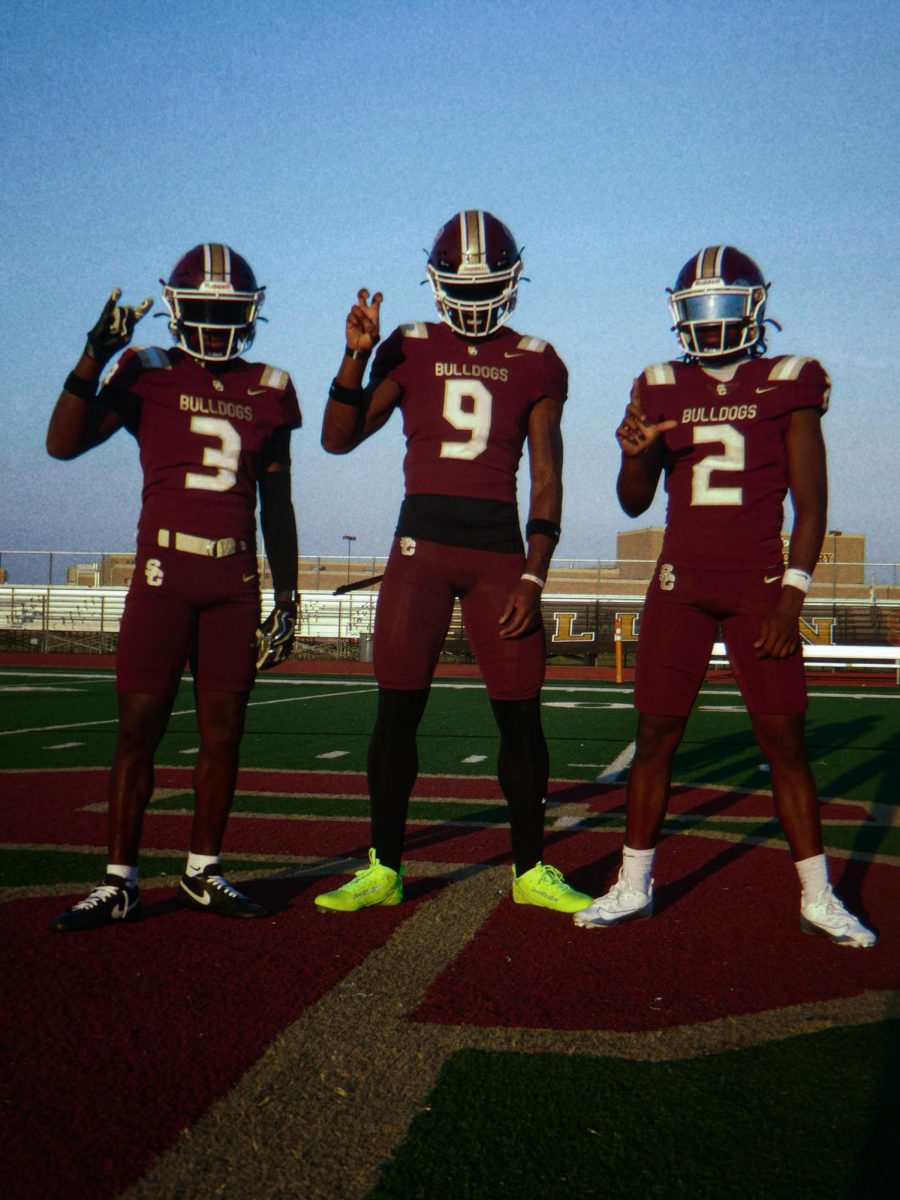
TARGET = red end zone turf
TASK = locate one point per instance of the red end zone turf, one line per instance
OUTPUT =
(725, 941)
(118, 1039)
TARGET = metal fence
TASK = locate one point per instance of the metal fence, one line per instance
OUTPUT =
(67, 619)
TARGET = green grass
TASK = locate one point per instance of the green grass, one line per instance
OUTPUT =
(811, 1117)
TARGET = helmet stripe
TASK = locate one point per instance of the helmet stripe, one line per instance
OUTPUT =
(710, 263)
(217, 262)
(472, 237)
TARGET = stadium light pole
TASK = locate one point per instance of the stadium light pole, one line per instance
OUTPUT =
(349, 538)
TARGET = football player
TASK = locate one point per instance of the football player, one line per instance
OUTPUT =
(732, 431)
(214, 433)
(472, 392)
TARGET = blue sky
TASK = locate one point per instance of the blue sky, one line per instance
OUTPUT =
(328, 142)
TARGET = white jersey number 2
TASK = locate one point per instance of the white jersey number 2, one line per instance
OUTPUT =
(474, 419)
(702, 491)
(223, 459)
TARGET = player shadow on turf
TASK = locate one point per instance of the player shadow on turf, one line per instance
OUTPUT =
(668, 894)
(600, 874)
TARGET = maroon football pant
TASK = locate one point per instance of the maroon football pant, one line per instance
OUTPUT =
(415, 605)
(678, 628)
(187, 608)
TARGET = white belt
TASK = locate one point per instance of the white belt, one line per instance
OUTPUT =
(210, 547)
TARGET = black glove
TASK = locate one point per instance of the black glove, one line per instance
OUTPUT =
(114, 328)
(275, 636)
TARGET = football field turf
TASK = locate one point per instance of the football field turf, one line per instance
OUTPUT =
(458, 1046)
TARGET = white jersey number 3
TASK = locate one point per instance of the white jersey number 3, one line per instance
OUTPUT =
(474, 419)
(222, 458)
(702, 491)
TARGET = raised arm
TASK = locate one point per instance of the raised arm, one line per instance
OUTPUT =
(353, 412)
(77, 422)
(642, 456)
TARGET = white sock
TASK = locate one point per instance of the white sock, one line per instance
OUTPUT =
(813, 874)
(637, 867)
(129, 874)
(197, 864)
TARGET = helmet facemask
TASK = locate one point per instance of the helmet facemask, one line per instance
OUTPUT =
(474, 269)
(713, 320)
(213, 302)
(212, 328)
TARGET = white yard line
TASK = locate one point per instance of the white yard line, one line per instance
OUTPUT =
(180, 712)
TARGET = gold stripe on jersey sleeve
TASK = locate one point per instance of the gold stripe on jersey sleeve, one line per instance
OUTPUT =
(274, 377)
(659, 373)
(531, 343)
(417, 329)
(788, 368)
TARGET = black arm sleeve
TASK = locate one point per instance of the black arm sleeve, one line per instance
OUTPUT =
(279, 529)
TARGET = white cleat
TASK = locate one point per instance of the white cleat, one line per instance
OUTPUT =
(621, 903)
(827, 917)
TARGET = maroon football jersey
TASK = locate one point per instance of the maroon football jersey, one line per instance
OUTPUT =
(202, 436)
(725, 464)
(466, 405)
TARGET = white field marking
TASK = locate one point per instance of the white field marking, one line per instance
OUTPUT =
(475, 685)
(473, 758)
(190, 750)
(568, 822)
(584, 704)
(63, 746)
(28, 687)
(617, 766)
(334, 754)
(17, 673)
(739, 708)
(57, 728)
(181, 712)
(589, 766)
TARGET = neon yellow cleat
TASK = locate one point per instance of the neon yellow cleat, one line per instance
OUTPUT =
(546, 887)
(373, 885)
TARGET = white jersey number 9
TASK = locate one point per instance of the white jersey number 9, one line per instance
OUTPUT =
(477, 422)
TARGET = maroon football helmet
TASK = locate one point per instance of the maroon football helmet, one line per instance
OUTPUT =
(213, 301)
(474, 268)
(718, 303)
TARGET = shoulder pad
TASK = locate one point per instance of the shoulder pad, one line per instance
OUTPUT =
(531, 343)
(418, 329)
(659, 373)
(153, 358)
(788, 368)
(274, 377)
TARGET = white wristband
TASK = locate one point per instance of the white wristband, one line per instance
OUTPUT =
(794, 577)
(534, 579)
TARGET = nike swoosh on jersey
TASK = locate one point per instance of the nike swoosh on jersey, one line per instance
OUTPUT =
(760, 390)
(247, 578)
(509, 354)
(255, 391)
(771, 578)
(203, 898)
